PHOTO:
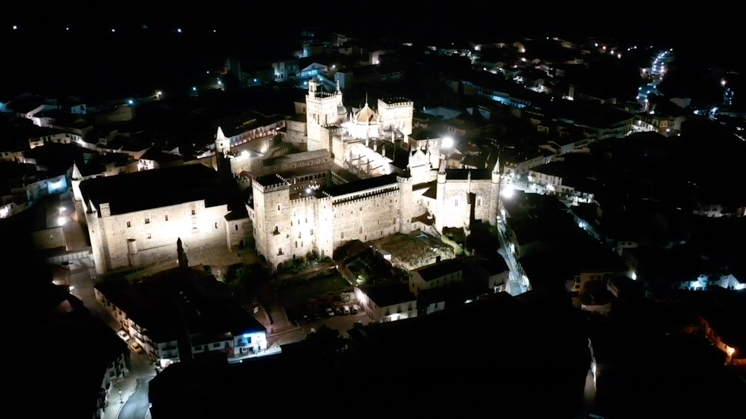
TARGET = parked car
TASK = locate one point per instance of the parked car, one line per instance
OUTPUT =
(354, 309)
(338, 311)
(137, 348)
(329, 312)
(346, 309)
(123, 335)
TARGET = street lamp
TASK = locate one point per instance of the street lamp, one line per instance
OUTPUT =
(120, 397)
(447, 142)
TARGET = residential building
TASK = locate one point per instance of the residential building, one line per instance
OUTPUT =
(438, 274)
(181, 313)
(386, 303)
(490, 272)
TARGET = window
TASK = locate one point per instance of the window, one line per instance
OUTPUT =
(279, 252)
(236, 227)
(312, 232)
(479, 202)
(361, 230)
(194, 212)
(343, 235)
(296, 244)
(149, 236)
(167, 218)
(128, 224)
(291, 223)
(277, 230)
(216, 226)
(278, 208)
(299, 234)
(457, 202)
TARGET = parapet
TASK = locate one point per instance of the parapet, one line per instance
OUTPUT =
(396, 102)
(269, 183)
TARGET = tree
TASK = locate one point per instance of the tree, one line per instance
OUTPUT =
(326, 342)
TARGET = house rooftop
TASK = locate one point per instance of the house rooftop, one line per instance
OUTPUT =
(440, 269)
(176, 298)
(388, 295)
(150, 189)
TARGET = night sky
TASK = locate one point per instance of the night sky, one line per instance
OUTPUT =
(89, 54)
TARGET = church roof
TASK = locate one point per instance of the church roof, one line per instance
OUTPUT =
(366, 115)
(155, 189)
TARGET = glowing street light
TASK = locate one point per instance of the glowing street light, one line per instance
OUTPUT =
(131, 102)
(15, 28)
(113, 30)
(447, 142)
(159, 94)
(507, 192)
(194, 89)
(722, 83)
(178, 30)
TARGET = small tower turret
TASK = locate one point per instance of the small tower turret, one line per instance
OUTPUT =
(495, 194)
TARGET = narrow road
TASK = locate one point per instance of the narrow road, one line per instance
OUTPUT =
(137, 405)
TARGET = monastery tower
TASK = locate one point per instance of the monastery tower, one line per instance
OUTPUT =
(322, 109)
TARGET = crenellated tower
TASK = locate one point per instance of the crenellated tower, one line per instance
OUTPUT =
(396, 114)
(322, 108)
(405, 203)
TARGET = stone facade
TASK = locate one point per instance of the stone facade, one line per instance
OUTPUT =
(137, 238)
(292, 219)
(396, 113)
(286, 228)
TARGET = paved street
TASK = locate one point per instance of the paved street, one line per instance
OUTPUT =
(137, 405)
(82, 274)
(297, 334)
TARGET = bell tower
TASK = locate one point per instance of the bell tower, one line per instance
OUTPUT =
(321, 110)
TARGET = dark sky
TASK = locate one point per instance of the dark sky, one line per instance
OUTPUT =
(657, 18)
(41, 50)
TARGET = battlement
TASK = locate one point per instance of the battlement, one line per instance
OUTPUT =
(396, 102)
(404, 179)
(366, 196)
(321, 95)
(270, 183)
(301, 198)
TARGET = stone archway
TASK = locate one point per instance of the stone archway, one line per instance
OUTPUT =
(241, 244)
(279, 266)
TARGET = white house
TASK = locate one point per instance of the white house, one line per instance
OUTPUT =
(384, 303)
(438, 274)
